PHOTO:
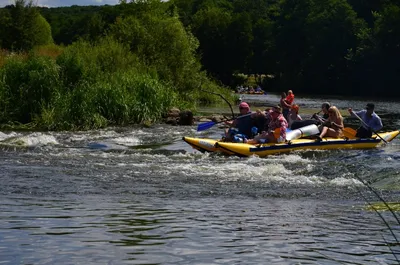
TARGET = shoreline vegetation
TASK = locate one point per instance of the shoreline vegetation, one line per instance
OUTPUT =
(89, 67)
(143, 67)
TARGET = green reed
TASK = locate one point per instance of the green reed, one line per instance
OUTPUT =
(85, 86)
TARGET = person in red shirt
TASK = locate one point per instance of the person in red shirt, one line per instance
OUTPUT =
(287, 103)
(276, 129)
(290, 97)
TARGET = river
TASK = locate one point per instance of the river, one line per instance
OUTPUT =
(138, 195)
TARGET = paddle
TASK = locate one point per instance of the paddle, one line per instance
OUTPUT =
(349, 132)
(358, 117)
(208, 125)
(315, 114)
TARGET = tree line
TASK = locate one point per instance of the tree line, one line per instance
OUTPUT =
(339, 47)
(313, 46)
(335, 47)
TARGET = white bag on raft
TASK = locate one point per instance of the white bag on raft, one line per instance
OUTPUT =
(302, 132)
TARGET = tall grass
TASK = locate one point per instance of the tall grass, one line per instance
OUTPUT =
(27, 86)
(86, 86)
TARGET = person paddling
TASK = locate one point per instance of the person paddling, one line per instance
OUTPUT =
(372, 122)
(241, 125)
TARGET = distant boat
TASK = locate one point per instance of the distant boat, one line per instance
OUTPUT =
(262, 92)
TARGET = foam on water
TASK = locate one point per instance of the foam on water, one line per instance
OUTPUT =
(345, 182)
(4, 136)
(33, 140)
(127, 140)
(93, 135)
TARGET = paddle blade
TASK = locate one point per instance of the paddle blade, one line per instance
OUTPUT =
(205, 126)
(349, 132)
(277, 133)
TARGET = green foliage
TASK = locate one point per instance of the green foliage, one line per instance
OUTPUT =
(87, 87)
(331, 31)
(69, 24)
(312, 46)
(27, 86)
(5, 22)
(210, 25)
(41, 31)
(163, 44)
(239, 79)
(365, 9)
(151, 98)
(264, 57)
(84, 61)
(146, 65)
(130, 62)
(387, 29)
(23, 27)
(128, 97)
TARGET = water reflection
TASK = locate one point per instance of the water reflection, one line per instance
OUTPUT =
(213, 230)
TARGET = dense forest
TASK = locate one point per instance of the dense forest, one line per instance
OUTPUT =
(311, 46)
(91, 66)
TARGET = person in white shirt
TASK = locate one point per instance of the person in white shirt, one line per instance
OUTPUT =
(372, 122)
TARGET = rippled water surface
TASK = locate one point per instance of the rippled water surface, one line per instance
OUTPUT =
(142, 196)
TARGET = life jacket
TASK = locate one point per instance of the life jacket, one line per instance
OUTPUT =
(289, 99)
(238, 137)
(244, 126)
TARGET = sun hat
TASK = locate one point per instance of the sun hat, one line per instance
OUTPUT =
(244, 105)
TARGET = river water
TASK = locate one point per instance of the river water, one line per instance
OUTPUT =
(142, 196)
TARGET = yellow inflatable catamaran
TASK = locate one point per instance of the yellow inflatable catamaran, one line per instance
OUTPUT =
(308, 143)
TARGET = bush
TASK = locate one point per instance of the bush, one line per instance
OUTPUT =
(83, 61)
(27, 86)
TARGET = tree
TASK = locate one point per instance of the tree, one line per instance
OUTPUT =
(331, 29)
(41, 31)
(24, 27)
(5, 22)
(386, 53)
(291, 41)
(210, 27)
(161, 42)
